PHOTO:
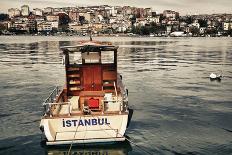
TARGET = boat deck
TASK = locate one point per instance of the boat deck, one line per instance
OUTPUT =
(75, 105)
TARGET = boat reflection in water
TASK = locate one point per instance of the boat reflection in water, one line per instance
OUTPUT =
(120, 148)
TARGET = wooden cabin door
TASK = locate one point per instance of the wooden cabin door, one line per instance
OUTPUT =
(92, 78)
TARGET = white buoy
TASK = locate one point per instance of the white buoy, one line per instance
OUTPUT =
(213, 76)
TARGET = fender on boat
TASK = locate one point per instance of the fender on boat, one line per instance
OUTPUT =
(129, 116)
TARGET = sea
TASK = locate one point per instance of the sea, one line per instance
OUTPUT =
(178, 110)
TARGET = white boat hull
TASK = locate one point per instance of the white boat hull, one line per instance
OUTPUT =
(85, 129)
(86, 141)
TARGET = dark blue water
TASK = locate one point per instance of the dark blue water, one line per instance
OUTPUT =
(177, 109)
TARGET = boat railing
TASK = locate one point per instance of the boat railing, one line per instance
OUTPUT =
(117, 101)
(122, 88)
(53, 95)
(49, 111)
(47, 104)
(124, 92)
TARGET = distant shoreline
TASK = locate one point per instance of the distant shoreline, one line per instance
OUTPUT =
(119, 35)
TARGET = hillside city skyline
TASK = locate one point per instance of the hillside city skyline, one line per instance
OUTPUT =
(184, 7)
(110, 20)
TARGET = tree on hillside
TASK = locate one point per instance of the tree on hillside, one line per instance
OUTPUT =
(63, 19)
(4, 17)
(144, 30)
(230, 32)
(203, 23)
(133, 19)
(211, 31)
(82, 20)
(188, 20)
(195, 31)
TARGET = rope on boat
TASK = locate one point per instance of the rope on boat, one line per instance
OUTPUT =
(139, 147)
(70, 147)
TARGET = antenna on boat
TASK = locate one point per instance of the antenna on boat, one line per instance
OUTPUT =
(90, 37)
(90, 34)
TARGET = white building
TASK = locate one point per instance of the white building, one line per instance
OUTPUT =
(52, 18)
(141, 22)
(169, 14)
(168, 29)
(38, 12)
(44, 26)
(202, 30)
(13, 12)
(127, 10)
(17, 12)
(78, 28)
(147, 12)
(39, 20)
(183, 24)
(197, 25)
(48, 10)
(112, 20)
(121, 29)
(172, 15)
(101, 18)
(227, 26)
(54, 24)
(113, 11)
(25, 10)
(56, 11)
(19, 24)
(153, 19)
(73, 15)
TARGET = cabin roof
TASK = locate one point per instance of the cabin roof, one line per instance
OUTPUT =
(89, 47)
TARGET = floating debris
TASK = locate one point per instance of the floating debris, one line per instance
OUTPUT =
(214, 76)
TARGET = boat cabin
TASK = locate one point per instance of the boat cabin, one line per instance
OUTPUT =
(90, 68)
(93, 84)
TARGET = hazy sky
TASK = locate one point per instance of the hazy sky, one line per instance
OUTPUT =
(183, 6)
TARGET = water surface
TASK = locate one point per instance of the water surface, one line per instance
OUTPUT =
(178, 110)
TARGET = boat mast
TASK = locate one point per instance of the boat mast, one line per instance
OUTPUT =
(90, 33)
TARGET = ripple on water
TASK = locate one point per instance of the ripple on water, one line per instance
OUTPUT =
(177, 109)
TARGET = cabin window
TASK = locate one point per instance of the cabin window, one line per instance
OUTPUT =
(91, 57)
(107, 57)
(75, 58)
